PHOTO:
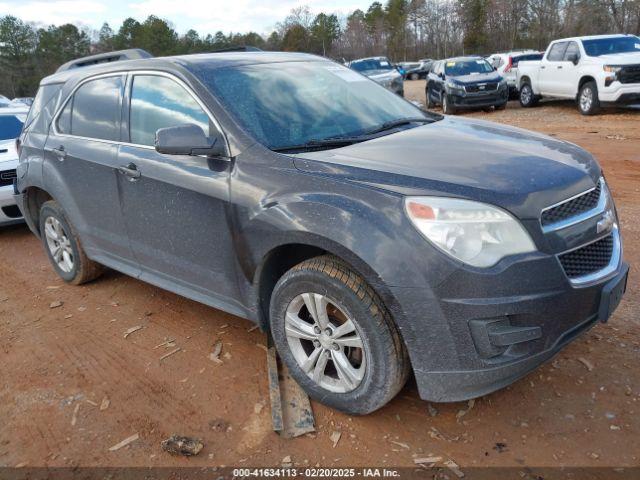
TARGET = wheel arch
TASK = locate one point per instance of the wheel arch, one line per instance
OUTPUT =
(584, 80)
(35, 197)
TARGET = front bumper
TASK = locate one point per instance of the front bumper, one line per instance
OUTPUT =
(620, 93)
(9, 211)
(479, 100)
(479, 332)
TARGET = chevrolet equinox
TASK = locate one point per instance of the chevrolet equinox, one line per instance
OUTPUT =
(371, 238)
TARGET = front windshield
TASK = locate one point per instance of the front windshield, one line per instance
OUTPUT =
(10, 127)
(611, 46)
(287, 104)
(371, 64)
(467, 67)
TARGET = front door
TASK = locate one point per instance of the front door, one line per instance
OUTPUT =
(175, 206)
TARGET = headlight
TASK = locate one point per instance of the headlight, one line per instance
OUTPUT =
(474, 233)
(612, 68)
(455, 86)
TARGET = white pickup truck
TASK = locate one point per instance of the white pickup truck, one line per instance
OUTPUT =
(592, 70)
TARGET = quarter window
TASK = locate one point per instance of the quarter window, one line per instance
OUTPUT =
(556, 54)
(159, 102)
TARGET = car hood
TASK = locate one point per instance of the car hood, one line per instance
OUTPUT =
(477, 78)
(8, 151)
(381, 74)
(621, 58)
(519, 170)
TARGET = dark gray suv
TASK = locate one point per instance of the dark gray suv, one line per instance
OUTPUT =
(370, 237)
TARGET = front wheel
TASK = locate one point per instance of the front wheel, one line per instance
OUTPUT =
(430, 103)
(447, 107)
(588, 101)
(336, 337)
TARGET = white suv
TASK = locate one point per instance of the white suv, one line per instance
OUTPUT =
(11, 121)
(593, 70)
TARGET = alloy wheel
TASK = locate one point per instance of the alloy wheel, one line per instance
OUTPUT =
(58, 244)
(586, 99)
(325, 342)
(526, 95)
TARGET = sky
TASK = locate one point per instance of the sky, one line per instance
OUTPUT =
(205, 16)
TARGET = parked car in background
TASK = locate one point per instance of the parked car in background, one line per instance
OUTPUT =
(11, 122)
(417, 70)
(506, 64)
(28, 101)
(4, 101)
(410, 69)
(465, 83)
(382, 71)
(595, 71)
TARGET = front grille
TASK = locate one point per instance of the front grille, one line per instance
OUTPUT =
(488, 87)
(6, 177)
(573, 207)
(588, 259)
(629, 74)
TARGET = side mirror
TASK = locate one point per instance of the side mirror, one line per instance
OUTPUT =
(189, 139)
(573, 58)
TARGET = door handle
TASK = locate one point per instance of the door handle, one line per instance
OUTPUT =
(559, 67)
(542, 67)
(131, 171)
(60, 152)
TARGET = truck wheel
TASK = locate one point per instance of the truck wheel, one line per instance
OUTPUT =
(336, 337)
(447, 108)
(588, 101)
(527, 97)
(63, 247)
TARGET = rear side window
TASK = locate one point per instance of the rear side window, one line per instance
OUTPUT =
(159, 102)
(94, 110)
(556, 54)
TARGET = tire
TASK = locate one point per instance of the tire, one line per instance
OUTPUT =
(429, 103)
(378, 368)
(447, 108)
(414, 76)
(58, 235)
(588, 101)
(502, 106)
(527, 98)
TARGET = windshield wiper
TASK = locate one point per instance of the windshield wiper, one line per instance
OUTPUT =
(398, 123)
(318, 144)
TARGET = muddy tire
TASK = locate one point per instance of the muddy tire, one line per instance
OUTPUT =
(63, 247)
(336, 336)
(447, 108)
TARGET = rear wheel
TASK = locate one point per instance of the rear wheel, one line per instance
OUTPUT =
(336, 337)
(588, 101)
(63, 247)
(527, 97)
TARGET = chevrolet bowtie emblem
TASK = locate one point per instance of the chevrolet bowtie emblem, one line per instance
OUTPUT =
(606, 222)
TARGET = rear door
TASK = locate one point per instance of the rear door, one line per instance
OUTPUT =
(79, 170)
(436, 82)
(551, 70)
(175, 206)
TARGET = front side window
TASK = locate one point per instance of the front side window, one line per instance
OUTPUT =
(572, 49)
(159, 102)
(556, 54)
(96, 109)
(611, 45)
(293, 103)
(11, 126)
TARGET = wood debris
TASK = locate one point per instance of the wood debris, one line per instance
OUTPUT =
(74, 417)
(335, 438)
(453, 466)
(586, 363)
(215, 355)
(56, 304)
(132, 330)
(425, 460)
(104, 404)
(124, 442)
(170, 353)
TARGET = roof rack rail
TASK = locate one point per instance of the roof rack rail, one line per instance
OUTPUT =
(243, 48)
(131, 54)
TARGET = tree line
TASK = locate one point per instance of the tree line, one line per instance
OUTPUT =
(401, 29)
